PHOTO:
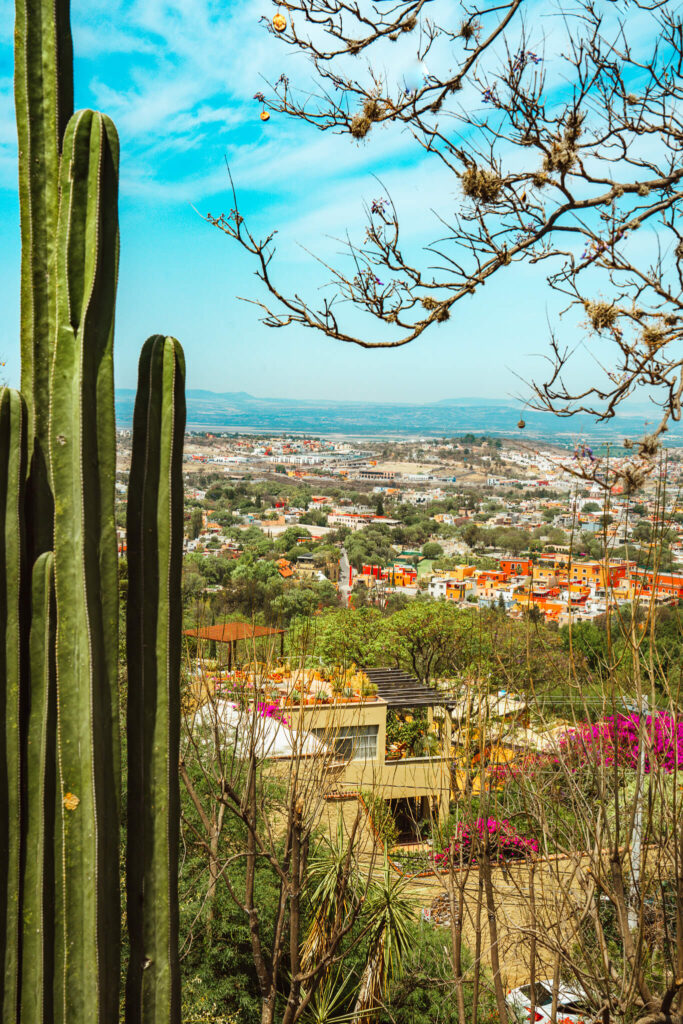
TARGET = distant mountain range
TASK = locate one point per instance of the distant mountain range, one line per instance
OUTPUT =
(241, 412)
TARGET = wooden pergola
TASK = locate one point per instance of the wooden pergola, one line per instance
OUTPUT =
(401, 690)
(230, 632)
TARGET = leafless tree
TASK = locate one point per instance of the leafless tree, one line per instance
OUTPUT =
(598, 905)
(563, 135)
(258, 768)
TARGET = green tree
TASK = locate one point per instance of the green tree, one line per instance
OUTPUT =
(471, 534)
(352, 635)
(432, 549)
(426, 635)
(371, 545)
(642, 531)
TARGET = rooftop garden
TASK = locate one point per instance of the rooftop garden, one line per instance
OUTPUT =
(284, 684)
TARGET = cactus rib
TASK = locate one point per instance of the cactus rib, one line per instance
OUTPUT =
(154, 624)
(83, 469)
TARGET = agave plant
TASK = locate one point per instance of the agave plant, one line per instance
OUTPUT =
(426, 745)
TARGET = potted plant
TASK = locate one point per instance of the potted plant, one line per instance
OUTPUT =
(369, 691)
(348, 693)
(294, 697)
(322, 697)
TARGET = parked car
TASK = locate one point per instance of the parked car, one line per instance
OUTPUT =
(572, 1003)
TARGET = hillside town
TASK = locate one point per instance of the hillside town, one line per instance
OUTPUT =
(418, 632)
(465, 520)
(338, 684)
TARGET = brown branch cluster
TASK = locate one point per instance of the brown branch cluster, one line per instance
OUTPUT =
(568, 158)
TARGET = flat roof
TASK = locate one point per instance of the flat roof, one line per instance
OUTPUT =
(226, 632)
(401, 690)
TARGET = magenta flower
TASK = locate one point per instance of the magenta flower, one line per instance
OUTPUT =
(503, 841)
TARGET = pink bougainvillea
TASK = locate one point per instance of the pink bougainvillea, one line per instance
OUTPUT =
(613, 740)
(504, 842)
(616, 739)
(271, 711)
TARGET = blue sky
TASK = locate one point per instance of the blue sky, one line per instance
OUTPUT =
(178, 80)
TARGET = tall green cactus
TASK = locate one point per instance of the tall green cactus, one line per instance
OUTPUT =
(38, 949)
(83, 470)
(59, 702)
(13, 456)
(43, 89)
(154, 625)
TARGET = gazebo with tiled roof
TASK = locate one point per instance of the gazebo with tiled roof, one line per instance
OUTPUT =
(231, 632)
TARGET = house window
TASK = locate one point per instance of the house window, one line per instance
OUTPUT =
(352, 742)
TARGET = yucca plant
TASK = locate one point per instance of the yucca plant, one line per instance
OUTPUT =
(390, 909)
(329, 1004)
(334, 892)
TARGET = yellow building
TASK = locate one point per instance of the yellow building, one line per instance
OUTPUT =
(357, 731)
(459, 573)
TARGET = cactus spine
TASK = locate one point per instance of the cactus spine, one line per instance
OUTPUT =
(83, 469)
(153, 635)
(59, 751)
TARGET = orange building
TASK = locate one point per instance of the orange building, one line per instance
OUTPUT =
(664, 586)
(516, 566)
(593, 573)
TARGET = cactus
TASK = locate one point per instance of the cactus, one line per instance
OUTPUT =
(83, 471)
(43, 88)
(13, 454)
(154, 625)
(59, 700)
(37, 992)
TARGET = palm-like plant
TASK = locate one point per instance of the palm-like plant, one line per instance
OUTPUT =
(335, 890)
(390, 910)
(329, 1005)
(426, 745)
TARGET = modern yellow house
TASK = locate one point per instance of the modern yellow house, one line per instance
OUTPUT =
(357, 731)
(350, 721)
